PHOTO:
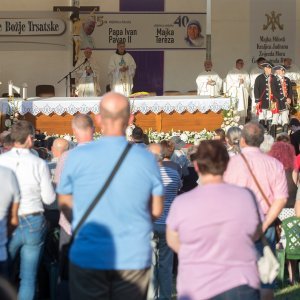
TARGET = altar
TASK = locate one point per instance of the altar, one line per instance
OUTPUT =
(159, 113)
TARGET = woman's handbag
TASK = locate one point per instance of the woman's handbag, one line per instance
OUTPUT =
(268, 266)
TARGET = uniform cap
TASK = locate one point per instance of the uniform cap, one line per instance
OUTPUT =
(279, 67)
(266, 65)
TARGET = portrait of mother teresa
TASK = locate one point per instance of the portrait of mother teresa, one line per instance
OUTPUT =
(194, 38)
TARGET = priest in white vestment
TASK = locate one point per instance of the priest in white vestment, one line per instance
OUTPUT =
(121, 70)
(209, 83)
(237, 87)
(87, 76)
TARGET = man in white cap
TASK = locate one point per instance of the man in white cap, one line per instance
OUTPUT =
(282, 98)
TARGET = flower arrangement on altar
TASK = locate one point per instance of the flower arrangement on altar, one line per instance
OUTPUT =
(230, 118)
(189, 137)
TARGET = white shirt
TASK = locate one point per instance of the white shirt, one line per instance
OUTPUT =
(9, 192)
(204, 89)
(33, 177)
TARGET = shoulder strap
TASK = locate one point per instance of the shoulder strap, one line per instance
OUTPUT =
(262, 236)
(255, 180)
(102, 191)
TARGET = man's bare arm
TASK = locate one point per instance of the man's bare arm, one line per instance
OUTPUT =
(173, 239)
(66, 204)
(14, 221)
(156, 206)
(273, 212)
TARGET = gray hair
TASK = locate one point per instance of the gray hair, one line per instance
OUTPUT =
(82, 122)
(233, 136)
(253, 134)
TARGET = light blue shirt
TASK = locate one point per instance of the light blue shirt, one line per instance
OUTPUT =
(116, 235)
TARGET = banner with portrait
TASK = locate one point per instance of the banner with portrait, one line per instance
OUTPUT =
(144, 31)
(272, 29)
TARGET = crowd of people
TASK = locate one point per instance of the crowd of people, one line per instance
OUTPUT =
(133, 216)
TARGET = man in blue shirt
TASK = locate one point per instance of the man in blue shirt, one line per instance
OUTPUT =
(111, 254)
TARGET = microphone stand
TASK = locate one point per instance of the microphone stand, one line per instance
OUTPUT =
(68, 77)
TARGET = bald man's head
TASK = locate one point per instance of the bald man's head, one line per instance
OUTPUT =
(114, 116)
(114, 106)
(59, 146)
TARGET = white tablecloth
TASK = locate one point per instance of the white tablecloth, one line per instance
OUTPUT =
(157, 104)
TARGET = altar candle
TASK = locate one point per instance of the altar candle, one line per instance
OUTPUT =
(10, 88)
(208, 17)
(24, 91)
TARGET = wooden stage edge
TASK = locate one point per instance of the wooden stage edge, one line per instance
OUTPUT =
(162, 122)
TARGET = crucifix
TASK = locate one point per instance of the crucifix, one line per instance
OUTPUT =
(76, 7)
(77, 24)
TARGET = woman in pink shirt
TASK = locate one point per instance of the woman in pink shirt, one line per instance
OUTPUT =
(213, 229)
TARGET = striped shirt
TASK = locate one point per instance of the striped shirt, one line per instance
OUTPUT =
(172, 184)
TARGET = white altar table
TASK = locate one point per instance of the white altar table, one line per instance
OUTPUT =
(160, 113)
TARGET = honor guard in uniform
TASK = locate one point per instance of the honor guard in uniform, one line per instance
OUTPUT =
(263, 94)
(282, 98)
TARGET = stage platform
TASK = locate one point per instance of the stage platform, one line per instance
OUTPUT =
(159, 113)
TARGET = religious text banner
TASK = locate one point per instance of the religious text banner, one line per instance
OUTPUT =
(272, 29)
(37, 30)
(149, 30)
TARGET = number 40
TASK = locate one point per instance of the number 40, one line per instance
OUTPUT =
(182, 21)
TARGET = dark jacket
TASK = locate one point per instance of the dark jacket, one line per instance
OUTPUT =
(262, 91)
(279, 95)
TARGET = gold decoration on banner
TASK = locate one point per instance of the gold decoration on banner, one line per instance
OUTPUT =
(273, 20)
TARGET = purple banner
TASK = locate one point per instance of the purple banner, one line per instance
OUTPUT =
(149, 71)
(150, 64)
(142, 5)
